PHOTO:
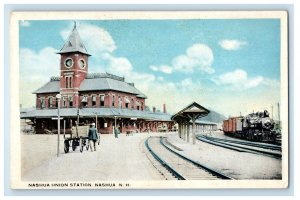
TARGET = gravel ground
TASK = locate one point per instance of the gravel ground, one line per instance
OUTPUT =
(238, 165)
(123, 159)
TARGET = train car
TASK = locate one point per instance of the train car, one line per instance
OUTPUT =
(255, 126)
(233, 125)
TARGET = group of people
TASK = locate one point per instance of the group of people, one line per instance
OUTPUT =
(94, 136)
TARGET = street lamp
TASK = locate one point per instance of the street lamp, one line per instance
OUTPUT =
(58, 97)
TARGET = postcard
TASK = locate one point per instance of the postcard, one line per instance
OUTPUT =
(149, 100)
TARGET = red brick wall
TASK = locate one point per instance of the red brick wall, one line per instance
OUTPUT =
(77, 74)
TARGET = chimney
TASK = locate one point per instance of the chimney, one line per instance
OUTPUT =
(154, 109)
(164, 108)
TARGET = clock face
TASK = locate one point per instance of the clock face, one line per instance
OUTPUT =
(68, 62)
(81, 63)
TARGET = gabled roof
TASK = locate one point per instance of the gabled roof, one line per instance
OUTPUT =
(74, 43)
(193, 109)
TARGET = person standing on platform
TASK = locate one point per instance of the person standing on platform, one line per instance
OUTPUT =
(93, 137)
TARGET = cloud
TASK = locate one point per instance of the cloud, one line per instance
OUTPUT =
(232, 45)
(239, 80)
(96, 39)
(36, 68)
(198, 57)
(163, 68)
(24, 23)
(44, 63)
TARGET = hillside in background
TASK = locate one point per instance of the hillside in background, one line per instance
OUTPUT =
(213, 117)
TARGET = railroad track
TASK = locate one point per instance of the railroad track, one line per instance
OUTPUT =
(248, 147)
(176, 166)
(247, 143)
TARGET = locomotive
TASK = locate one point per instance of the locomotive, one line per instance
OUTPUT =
(255, 127)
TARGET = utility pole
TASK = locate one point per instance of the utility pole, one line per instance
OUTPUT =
(272, 112)
(58, 97)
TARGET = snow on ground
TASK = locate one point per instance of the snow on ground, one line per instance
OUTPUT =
(238, 165)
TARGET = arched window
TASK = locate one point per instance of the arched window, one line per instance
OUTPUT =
(67, 82)
(70, 82)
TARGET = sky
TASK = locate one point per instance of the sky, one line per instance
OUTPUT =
(231, 66)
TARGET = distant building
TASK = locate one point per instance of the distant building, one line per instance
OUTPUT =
(103, 98)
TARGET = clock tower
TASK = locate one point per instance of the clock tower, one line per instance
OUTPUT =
(73, 68)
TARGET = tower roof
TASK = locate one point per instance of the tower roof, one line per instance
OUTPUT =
(74, 43)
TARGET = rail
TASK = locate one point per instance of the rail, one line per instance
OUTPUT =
(212, 171)
(174, 172)
(161, 161)
(240, 148)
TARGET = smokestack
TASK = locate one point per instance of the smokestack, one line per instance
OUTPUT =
(154, 109)
(164, 108)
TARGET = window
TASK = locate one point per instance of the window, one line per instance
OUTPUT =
(64, 99)
(132, 103)
(120, 102)
(93, 100)
(113, 101)
(67, 82)
(101, 100)
(56, 102)
(50, 102)
(42, 99)
(127, 102)
(138, 105)
(70, 98)
(84, 101)
(70, 82)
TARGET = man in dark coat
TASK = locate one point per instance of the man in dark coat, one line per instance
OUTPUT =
(93, 137)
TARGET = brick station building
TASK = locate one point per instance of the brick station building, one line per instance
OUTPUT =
(101, 97)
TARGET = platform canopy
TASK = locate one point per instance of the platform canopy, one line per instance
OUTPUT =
(189, 114)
